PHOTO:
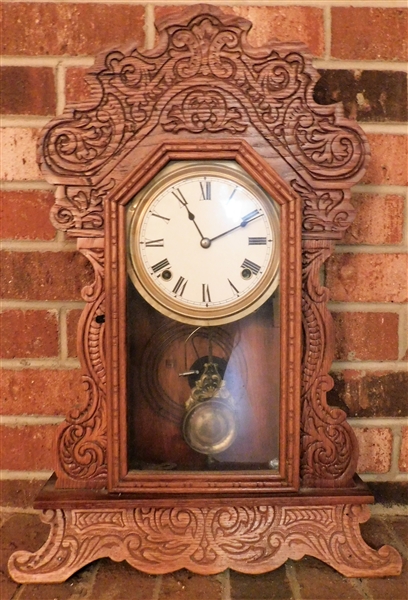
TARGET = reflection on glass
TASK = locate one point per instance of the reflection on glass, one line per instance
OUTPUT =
(203, 398)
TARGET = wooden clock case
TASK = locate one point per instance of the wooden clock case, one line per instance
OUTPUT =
(204, 93)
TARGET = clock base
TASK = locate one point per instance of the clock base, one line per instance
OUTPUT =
(250, 535)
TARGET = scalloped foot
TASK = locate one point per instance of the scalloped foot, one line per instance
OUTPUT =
(250, 539)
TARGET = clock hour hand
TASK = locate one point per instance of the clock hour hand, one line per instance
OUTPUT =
(183, 201)
(244, 221)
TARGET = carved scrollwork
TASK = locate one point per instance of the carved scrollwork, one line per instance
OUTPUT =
(203, 109)
(205, 540)
(324, 211)
(328, 443)
(80, 210)
(82, 439)
(204, 78)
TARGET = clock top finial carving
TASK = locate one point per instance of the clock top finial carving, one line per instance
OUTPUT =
(204, 80)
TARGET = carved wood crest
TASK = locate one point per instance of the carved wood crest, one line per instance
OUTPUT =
(205, 81)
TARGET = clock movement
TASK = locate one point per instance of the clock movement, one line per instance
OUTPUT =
(207, 189)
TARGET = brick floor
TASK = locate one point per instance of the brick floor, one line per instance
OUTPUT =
(307, 579)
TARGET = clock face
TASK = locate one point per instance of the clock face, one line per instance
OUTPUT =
(203, 243)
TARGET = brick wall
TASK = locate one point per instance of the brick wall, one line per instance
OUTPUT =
(361, 53)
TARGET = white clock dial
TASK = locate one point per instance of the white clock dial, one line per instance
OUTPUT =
(204, 243)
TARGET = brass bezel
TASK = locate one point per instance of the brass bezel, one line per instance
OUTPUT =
(172, 307)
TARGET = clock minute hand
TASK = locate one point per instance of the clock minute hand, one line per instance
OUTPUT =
(244, 221)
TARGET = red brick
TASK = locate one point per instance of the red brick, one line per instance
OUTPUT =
(367, 95)
(388, 164)
(403, 458)
(271, 586)
(368, 277)
(40, 392)
(114, 581)
(318, 581)
(37, 441)
(28, 334)
(19, 492)
(379, 220)
(366, 336)
(27, 91)
(25, 215)
(44, 275)
(76, 87)
(69, 28)
(183, 585)
(20, 532)
(375, 448)
(369, 33)
(283, 23)
(72, 331)
(370, 393)
(19, 154)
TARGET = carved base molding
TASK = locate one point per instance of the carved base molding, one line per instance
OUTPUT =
(205, 540)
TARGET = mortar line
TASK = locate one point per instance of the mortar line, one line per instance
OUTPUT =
(33, 122)
(34, 246)
(93, 570)
(294, 585)
(371, 249)
(22, 186)
(226, 585)
(400, 190)
(42, 304)
(372, 422)
(361, 586)
(383, 478)
(8, 475)
(369, 365)
(60, 82)
(157, 587)
(63, 334)
(395, 451)
(327, 31)
(52, 364)
(386, 128)
(46, 61)
(29, 420)
(367, 307)
(150, 35)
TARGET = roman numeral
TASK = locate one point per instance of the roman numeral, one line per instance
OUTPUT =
(248, 264)
(234, 289)
(160, 265)
(180, 286)
(250, 217)
(154, 243)
(179, 197)
(205, 190)
(257, 241)
(160, 217)
(206, 292)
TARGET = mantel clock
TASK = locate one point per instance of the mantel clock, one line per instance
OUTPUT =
(207, 189)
